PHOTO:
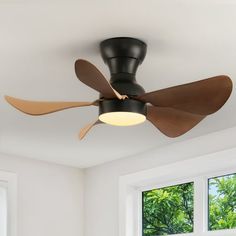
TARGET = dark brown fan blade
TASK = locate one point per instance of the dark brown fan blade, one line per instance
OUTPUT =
(172, 122)
(202, 97)
(92, 77)
(86, 129)
(37, 108)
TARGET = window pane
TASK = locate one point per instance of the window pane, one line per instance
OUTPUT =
(222, 202)
(3, 211)
(168, 210)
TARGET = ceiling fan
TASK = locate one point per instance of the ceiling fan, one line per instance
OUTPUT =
(123, 102)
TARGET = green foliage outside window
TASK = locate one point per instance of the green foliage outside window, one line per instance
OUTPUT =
(222, 202)
(168, 210)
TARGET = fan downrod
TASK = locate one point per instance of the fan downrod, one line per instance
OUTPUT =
(123, 55)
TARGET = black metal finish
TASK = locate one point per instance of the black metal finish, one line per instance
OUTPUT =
(123, 48)
(128, 105)
(126, 84)
(123, 55)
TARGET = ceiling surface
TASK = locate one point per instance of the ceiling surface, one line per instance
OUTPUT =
(40, 41)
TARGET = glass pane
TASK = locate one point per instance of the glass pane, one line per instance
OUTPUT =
(168, 210)
(222, 202)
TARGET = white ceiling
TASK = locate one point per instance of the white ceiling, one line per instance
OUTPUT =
(40, 40)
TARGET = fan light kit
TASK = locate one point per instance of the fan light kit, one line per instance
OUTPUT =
(122, 118)
(123, 102)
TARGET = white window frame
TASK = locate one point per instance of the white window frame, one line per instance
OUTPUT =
(196, 170)
(10, 182)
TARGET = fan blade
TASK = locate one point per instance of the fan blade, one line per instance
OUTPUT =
(202, 97)
(86, 129)
(42, 108)
(92, 77)
(172, 122)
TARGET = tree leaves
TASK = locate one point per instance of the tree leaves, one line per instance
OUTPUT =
(168, 210)
(222, 202)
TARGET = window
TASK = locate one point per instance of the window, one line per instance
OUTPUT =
(153, 202)
(3, 210)
(8, 206)
(168, 210)
(222, 202)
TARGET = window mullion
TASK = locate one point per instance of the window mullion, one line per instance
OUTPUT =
(200, 193)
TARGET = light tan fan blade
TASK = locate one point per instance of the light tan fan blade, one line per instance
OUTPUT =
(202, 97)
(86, 129)
(92, 77)
(172, 122)
(41, 108)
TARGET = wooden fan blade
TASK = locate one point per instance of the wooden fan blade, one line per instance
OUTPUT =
(172, 122)
(86, 129)
(42, 108)
(92, 77)
(202, 97)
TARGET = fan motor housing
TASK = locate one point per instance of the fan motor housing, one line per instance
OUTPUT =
(123, 55)
(127, 105)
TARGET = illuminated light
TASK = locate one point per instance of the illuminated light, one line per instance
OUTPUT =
(122, 118)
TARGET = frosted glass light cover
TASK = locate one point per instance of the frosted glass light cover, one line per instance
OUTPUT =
(122, 118)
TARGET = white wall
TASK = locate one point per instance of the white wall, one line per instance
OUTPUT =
(101, 182)
(50, 197)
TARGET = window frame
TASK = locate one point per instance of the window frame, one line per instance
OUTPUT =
(9, 181)
(131, 187)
